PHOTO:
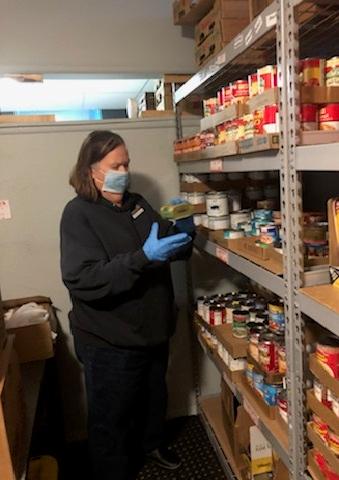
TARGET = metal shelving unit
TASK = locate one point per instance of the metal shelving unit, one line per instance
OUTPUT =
(284, 31)
(260, 275)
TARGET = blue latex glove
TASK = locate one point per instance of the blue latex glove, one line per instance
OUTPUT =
(161, 249)
(185, 225)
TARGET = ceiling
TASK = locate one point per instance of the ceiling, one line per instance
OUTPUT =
(55, 94)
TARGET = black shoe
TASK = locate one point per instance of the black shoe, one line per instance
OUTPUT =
(165, 458)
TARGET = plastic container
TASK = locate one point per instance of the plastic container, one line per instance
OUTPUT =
(219, 223)
(217, 204)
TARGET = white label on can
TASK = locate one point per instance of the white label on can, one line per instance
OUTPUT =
(201, 309)
(217, 318)
(217, 206)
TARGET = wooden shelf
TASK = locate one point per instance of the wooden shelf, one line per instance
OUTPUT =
(212, 410)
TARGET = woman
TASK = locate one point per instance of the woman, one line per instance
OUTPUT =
(115, 254)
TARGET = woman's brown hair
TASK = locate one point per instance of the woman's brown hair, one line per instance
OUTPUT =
(95, 147)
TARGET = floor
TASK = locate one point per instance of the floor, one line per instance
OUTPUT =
(187, 437)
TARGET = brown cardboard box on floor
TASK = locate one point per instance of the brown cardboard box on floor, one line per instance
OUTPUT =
(32, 342)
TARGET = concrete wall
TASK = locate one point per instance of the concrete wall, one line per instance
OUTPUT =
(88, 36)
(34, 167)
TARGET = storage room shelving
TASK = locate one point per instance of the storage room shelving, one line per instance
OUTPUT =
(283, 32)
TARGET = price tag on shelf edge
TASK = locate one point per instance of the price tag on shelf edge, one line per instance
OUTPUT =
(222, 254)
(252, 413)
(216, 165)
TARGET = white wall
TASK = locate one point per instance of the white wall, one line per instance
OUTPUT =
(91, 36)
(34, 167)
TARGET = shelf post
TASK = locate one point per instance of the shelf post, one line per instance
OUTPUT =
(291, 204)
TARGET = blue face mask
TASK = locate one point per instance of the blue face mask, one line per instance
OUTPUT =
(115, 182)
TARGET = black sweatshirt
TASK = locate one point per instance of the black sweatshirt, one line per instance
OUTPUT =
(119, 297)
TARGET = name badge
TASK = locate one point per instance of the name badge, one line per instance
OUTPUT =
(137, 212)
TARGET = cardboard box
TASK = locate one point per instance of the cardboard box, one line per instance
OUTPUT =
(32, 342)
(270, 97)
(261, 452)
(319, 95)
(146, 102)
(220, 20)
(27, 118)
(229, 113)
(257, 6)
(323, 412)
(259, 143)
(318, 443)
(322, 375)
(318, 137)
(236, 347)
(180, 9)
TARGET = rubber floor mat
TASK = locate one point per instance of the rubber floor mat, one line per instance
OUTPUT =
(198, 460)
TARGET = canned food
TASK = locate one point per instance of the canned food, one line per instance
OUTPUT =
(321, 393)
(309, 117)
(282, 363)
(219, 223)
(206, 310)
(217, 204)
(240, 91)
(254, 342)
(276, 317)
(316, 248)
(200, 305)
(217, 177)
(268, 204)
(258, 382)
(271, 119)
(313, 72)
(283, 405)
(258, 120)
(233, 234)
(327, 353)
(271, 393)
(237, 218)
(217, 315)
(332, 72)
(267, 78)
(320, 427)
(333, 442)
(241, 316)
(235, 176)
(269, 234)
(268, 352)
(253, 84)
(210, 106)
(196, 198)
(234, 200)
(329, 117)
(239, 330)
(249, 125)
(249, 373)
(197, 220)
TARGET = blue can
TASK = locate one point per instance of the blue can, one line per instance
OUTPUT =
(271, 393)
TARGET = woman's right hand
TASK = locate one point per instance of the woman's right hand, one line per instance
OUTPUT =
(161, 249)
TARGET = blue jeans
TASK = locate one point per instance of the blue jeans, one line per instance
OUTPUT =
(127, 402)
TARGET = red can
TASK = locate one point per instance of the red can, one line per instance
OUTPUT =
(268, 357)
(271, 119)
(253, 84)
(329, 117)
(267, 78)
(217, 314)
(240, 90)
(309, 116)
(313, 72)
(258, 122)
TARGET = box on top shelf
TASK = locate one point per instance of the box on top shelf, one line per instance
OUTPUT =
(257, 6)
(164, 94)
(146, 102)
(219, 27)
(180, 9)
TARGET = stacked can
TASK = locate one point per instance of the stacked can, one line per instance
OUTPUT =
(217, 210)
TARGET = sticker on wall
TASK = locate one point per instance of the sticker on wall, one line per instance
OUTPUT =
(5, 211)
